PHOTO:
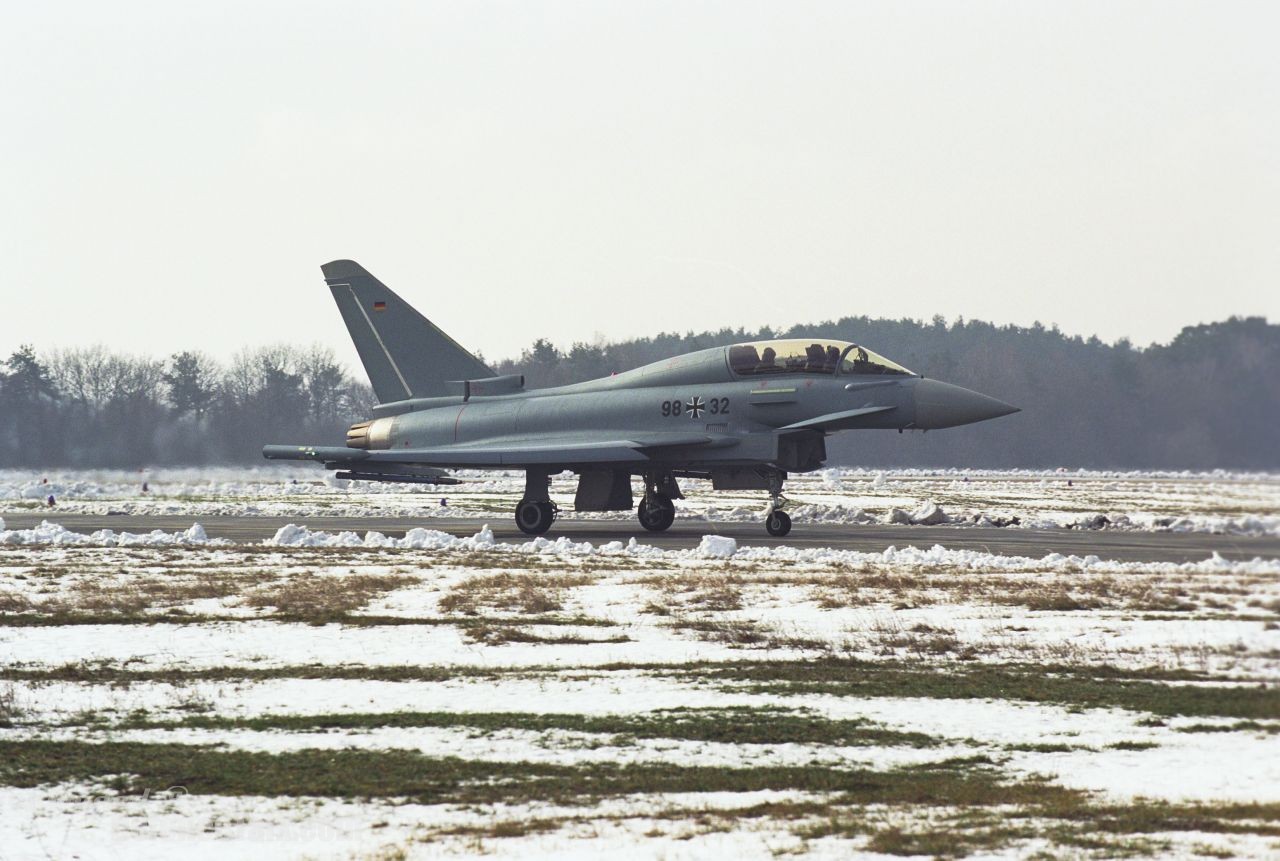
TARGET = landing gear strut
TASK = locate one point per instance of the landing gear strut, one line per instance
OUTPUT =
(536, 512)
(656, 510)
(777, 522)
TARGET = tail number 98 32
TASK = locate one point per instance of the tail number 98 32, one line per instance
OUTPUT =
(695, 407)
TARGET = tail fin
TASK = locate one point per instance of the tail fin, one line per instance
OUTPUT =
(405, 355)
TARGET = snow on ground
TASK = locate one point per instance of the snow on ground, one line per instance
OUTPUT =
(54, 533)
(1239, 503)
(1238, 766)
(99, 631)
(173, 824)
(793, 611)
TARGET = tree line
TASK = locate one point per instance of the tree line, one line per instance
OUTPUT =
(94, 407)
(1210, 398)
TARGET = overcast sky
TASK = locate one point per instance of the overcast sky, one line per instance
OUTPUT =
(173, 174)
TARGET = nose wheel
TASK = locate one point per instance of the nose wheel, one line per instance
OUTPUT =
(778, 523)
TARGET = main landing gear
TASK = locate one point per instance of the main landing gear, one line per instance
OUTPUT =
(534, 516)
(536, 512)
(656, 510)
(777, 522)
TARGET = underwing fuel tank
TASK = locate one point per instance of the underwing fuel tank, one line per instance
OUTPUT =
(942, 405)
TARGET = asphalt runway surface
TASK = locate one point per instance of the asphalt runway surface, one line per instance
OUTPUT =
(1117, 545)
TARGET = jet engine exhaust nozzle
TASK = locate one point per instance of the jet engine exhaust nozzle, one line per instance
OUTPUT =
(367, 435)
(942, 405)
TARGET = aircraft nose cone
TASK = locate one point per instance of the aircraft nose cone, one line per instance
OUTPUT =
(942, 405)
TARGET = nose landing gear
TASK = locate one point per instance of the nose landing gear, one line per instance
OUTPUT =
(777, 522)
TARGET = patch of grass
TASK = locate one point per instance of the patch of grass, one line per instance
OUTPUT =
(865, 585)
(903, 830)
(1238, 726)
(1061, 600)
(124, 597)
(47, 618)
(742, 725)
(1143, 690)
(503, 829)
(409, 774)
(491, 634)
(107, 673)
(1132, 745)
(1044, 747)
(733, 632)
(944, 842)
(719, 592)
(1110, 831)
(9, 708)
(316, 598)
(97, 598)
(364, 620)
(14, 602)
(529, 594)
(1087, 687)
(1155, 817)
(920, 639)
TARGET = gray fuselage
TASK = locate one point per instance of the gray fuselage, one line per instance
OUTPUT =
(694, 393)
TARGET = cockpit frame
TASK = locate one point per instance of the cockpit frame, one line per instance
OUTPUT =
(784, 356)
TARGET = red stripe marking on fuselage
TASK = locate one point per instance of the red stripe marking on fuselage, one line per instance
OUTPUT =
(457, 421)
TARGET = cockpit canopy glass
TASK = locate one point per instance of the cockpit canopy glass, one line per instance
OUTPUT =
(805, 356)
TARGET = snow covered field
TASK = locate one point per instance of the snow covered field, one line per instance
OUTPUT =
(1239, 503)
(350, 695)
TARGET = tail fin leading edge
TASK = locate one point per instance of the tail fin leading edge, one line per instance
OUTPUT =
(404, 353)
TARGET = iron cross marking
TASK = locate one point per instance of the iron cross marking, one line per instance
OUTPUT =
(695, 407)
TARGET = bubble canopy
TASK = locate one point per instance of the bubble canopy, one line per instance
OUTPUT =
(808, 356)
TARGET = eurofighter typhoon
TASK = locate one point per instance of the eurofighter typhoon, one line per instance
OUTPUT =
(742, 416)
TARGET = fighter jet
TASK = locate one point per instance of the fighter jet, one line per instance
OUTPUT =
(743, 416)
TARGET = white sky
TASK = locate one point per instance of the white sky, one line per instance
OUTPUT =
(172, 174)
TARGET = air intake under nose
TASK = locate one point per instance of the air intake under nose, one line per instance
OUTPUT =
(942, 405)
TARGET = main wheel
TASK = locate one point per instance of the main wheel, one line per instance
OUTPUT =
(656, 512)
(778, 524)
(534, 517)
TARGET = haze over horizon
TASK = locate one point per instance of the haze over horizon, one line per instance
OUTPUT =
(582, 172)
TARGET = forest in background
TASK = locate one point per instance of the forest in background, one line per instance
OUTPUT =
(1208, 399)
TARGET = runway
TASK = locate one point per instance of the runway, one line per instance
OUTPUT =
(1117, 545)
